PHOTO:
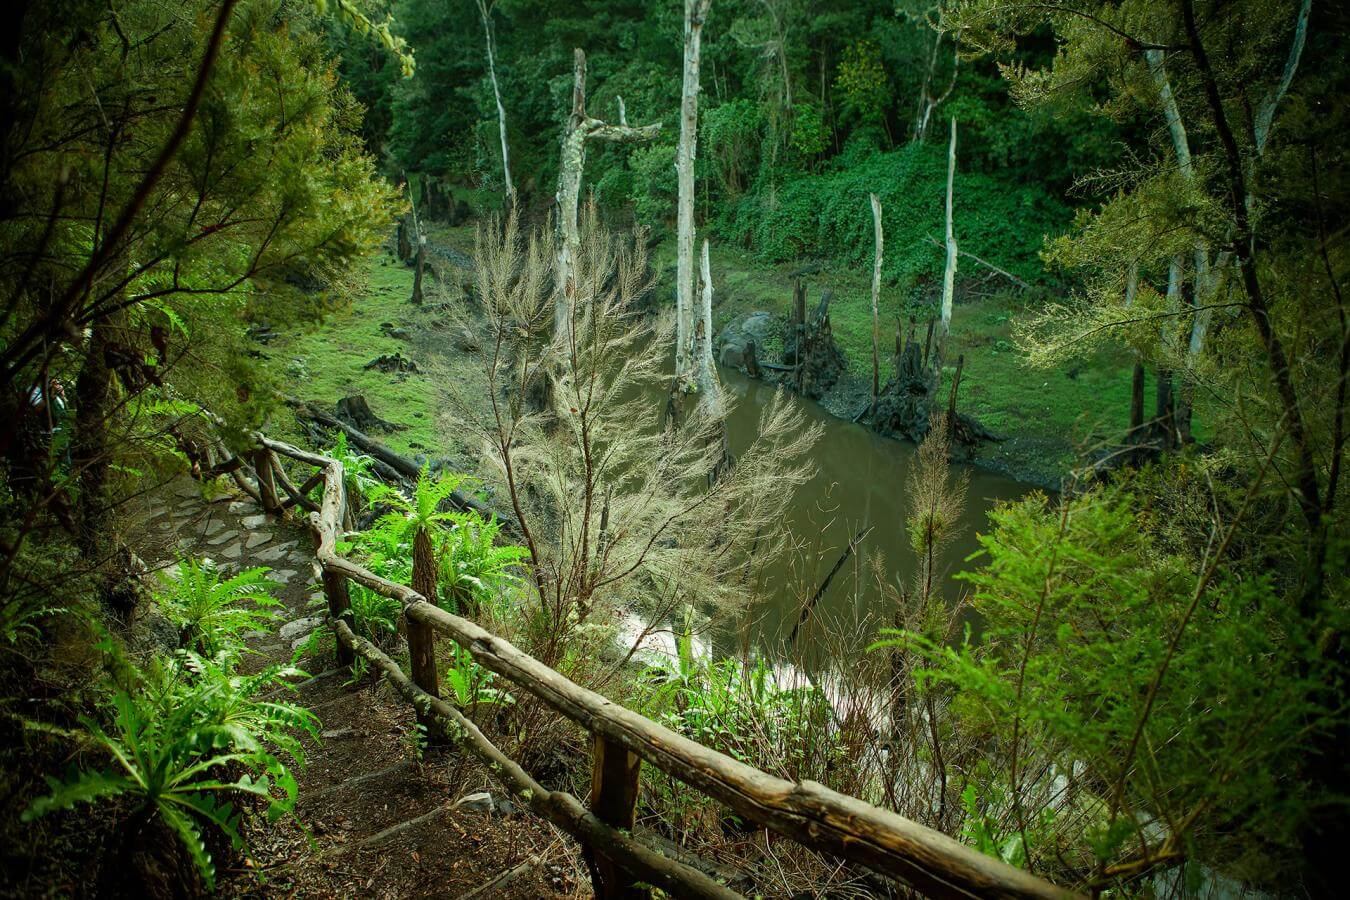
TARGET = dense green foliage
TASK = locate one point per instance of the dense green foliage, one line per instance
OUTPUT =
(1152, 691)
(188, 736)
(851, 71)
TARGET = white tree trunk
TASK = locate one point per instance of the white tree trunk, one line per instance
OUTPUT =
(709, 388)
(580, 129)
(1181, 147)
(694, 13)
(485, 11)
(1265, 116)
(927, 102)
(949, 275)
(876, 299)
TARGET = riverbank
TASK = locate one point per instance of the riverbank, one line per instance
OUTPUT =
(1045, 417)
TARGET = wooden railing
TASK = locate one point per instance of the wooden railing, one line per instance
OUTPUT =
(807, 812)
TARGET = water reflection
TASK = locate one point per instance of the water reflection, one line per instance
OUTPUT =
(860, 482)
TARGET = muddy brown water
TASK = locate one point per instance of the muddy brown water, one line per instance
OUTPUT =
(860, 481)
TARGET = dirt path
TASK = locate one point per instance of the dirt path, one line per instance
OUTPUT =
(378, 815)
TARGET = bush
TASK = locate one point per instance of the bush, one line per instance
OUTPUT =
(187, 737)
(212, 614)
(828, 215)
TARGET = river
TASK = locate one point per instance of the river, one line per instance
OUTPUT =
(860, 481)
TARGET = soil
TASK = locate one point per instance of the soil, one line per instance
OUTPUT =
(377, 814)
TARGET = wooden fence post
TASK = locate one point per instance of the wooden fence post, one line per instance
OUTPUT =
(421, 636)
(267, 484)
(615, 773)
(339, 608)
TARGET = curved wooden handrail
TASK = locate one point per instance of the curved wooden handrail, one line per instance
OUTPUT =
(805, 811)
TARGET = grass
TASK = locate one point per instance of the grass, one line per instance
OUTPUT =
(326, 362)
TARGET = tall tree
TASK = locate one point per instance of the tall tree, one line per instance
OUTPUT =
(709, 388)
(581, 129)
(485, 13)
(695, 12)
(949, 271)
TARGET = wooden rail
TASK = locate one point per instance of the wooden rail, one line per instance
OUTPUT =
(808, 812)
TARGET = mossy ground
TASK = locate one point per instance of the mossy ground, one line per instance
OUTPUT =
(326, 361)
(1047, 415)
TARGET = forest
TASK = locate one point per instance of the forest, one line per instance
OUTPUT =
(682, 448)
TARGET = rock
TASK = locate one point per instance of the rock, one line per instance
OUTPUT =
(389, 329)
(466, 340)
(274, 553)
(239, 507)
(224, 537)
(257, 539)
(480, 802)
(213, 526)
(232, 551)
(251, 522)
(731, 344)
(299, 628)
(335, 733)
(758, 326)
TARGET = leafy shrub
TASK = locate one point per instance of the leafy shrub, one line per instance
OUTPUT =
(828, 215)
(1105, 655)
(212, 614)
(469, 683)
(472, 564)
(739, 708)
(187, 737)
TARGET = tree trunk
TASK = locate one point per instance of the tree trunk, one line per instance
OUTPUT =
(485, 11)
(580, 129)
(1136, 399)
(419, 265)
(694, 13)
(1162, 410)
(404, 245)
(927, 102)
(710, 390)
(949, 273)
(421, 636)
(1137, 375)
(876, 299)
(91, 453)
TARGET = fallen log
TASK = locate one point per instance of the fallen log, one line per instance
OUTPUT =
(406, 469)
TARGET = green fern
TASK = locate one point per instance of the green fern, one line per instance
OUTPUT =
(213, 614)
(473, 566)
(176, 726)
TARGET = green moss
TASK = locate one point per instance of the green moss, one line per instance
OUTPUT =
(326, 362)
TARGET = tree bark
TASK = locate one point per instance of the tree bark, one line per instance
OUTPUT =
(1137, 375)
(91, 454)
(419, 266)
(485, 12)
(694, 13)
(710, 389)
(581, 128)
(421, 636)
(876, 299)
(949, 273)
